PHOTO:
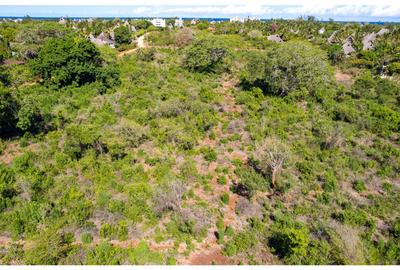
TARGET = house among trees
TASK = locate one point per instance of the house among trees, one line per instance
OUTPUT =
(157, 22)
(275, 38)
(253, 19)
(331, 38)
(62, 21)
(193, 22)
(348, 46)
(369, 39)
(102, 39)
(179, 22)
(382, 32)
(237, 19)
(321, 31)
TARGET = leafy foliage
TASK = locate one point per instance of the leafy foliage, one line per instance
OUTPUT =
(122, 35)
(67, 61)
(204, 56)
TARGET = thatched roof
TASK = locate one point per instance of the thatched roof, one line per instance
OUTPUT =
(330, 39)
(368, 41)
(383, 31)
(348, 46)
(275, 38)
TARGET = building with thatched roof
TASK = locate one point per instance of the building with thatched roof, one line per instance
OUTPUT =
(382, 32)
(101, 40)
(331, 38)
(348, 46)
(275, 38)
(369, 39)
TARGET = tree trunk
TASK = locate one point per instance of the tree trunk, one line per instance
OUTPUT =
(273, 178)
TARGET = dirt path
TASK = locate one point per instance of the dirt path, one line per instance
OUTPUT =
(209, 251)
(141, 43)
(343, 78)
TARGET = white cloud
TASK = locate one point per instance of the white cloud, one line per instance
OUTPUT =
(346, 10)
(388, 11)
(197, 2)
(141, 10)
(223, 10)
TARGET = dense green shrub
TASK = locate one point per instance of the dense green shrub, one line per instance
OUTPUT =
(290, 243)
(204, 56)
(4, 49)
(8, 111)
(49, 248)
(143, 255)
(225, 198)
(146, 54)
(352, 217)
(29, 116)
(336, 54)
(104, 254)
(221, 180)
(122, 35)
(241, 242)
(296, 65)
(394, 68)
(66, 61)
(86, 238)
(251, 179)
(7, 187)
(209, 154)
(359, 185)
(290, 67)
(4, 77)
(25, 219)
(254, 72)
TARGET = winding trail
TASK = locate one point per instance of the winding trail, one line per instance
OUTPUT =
(141, 43)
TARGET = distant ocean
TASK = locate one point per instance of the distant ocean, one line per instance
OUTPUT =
(189, 18)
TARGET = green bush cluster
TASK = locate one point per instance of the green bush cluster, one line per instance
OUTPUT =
(204, 56)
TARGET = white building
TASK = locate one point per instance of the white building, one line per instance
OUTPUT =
(179, 22)
(253, 19)
(158, 22)
(62, 21)
(101, 40)
(321, 31)
(237, 19)
(193, 22)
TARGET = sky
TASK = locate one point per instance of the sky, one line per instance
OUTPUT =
(341, 10)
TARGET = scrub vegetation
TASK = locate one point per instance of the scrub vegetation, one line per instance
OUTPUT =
(205, 144)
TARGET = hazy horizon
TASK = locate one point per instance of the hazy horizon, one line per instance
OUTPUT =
(359, 13)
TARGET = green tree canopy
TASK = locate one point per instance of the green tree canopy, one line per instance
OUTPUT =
(289, 67)
(204, 55)
(297, 64)
(8, 111)
(122, 35)
(66, 61)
